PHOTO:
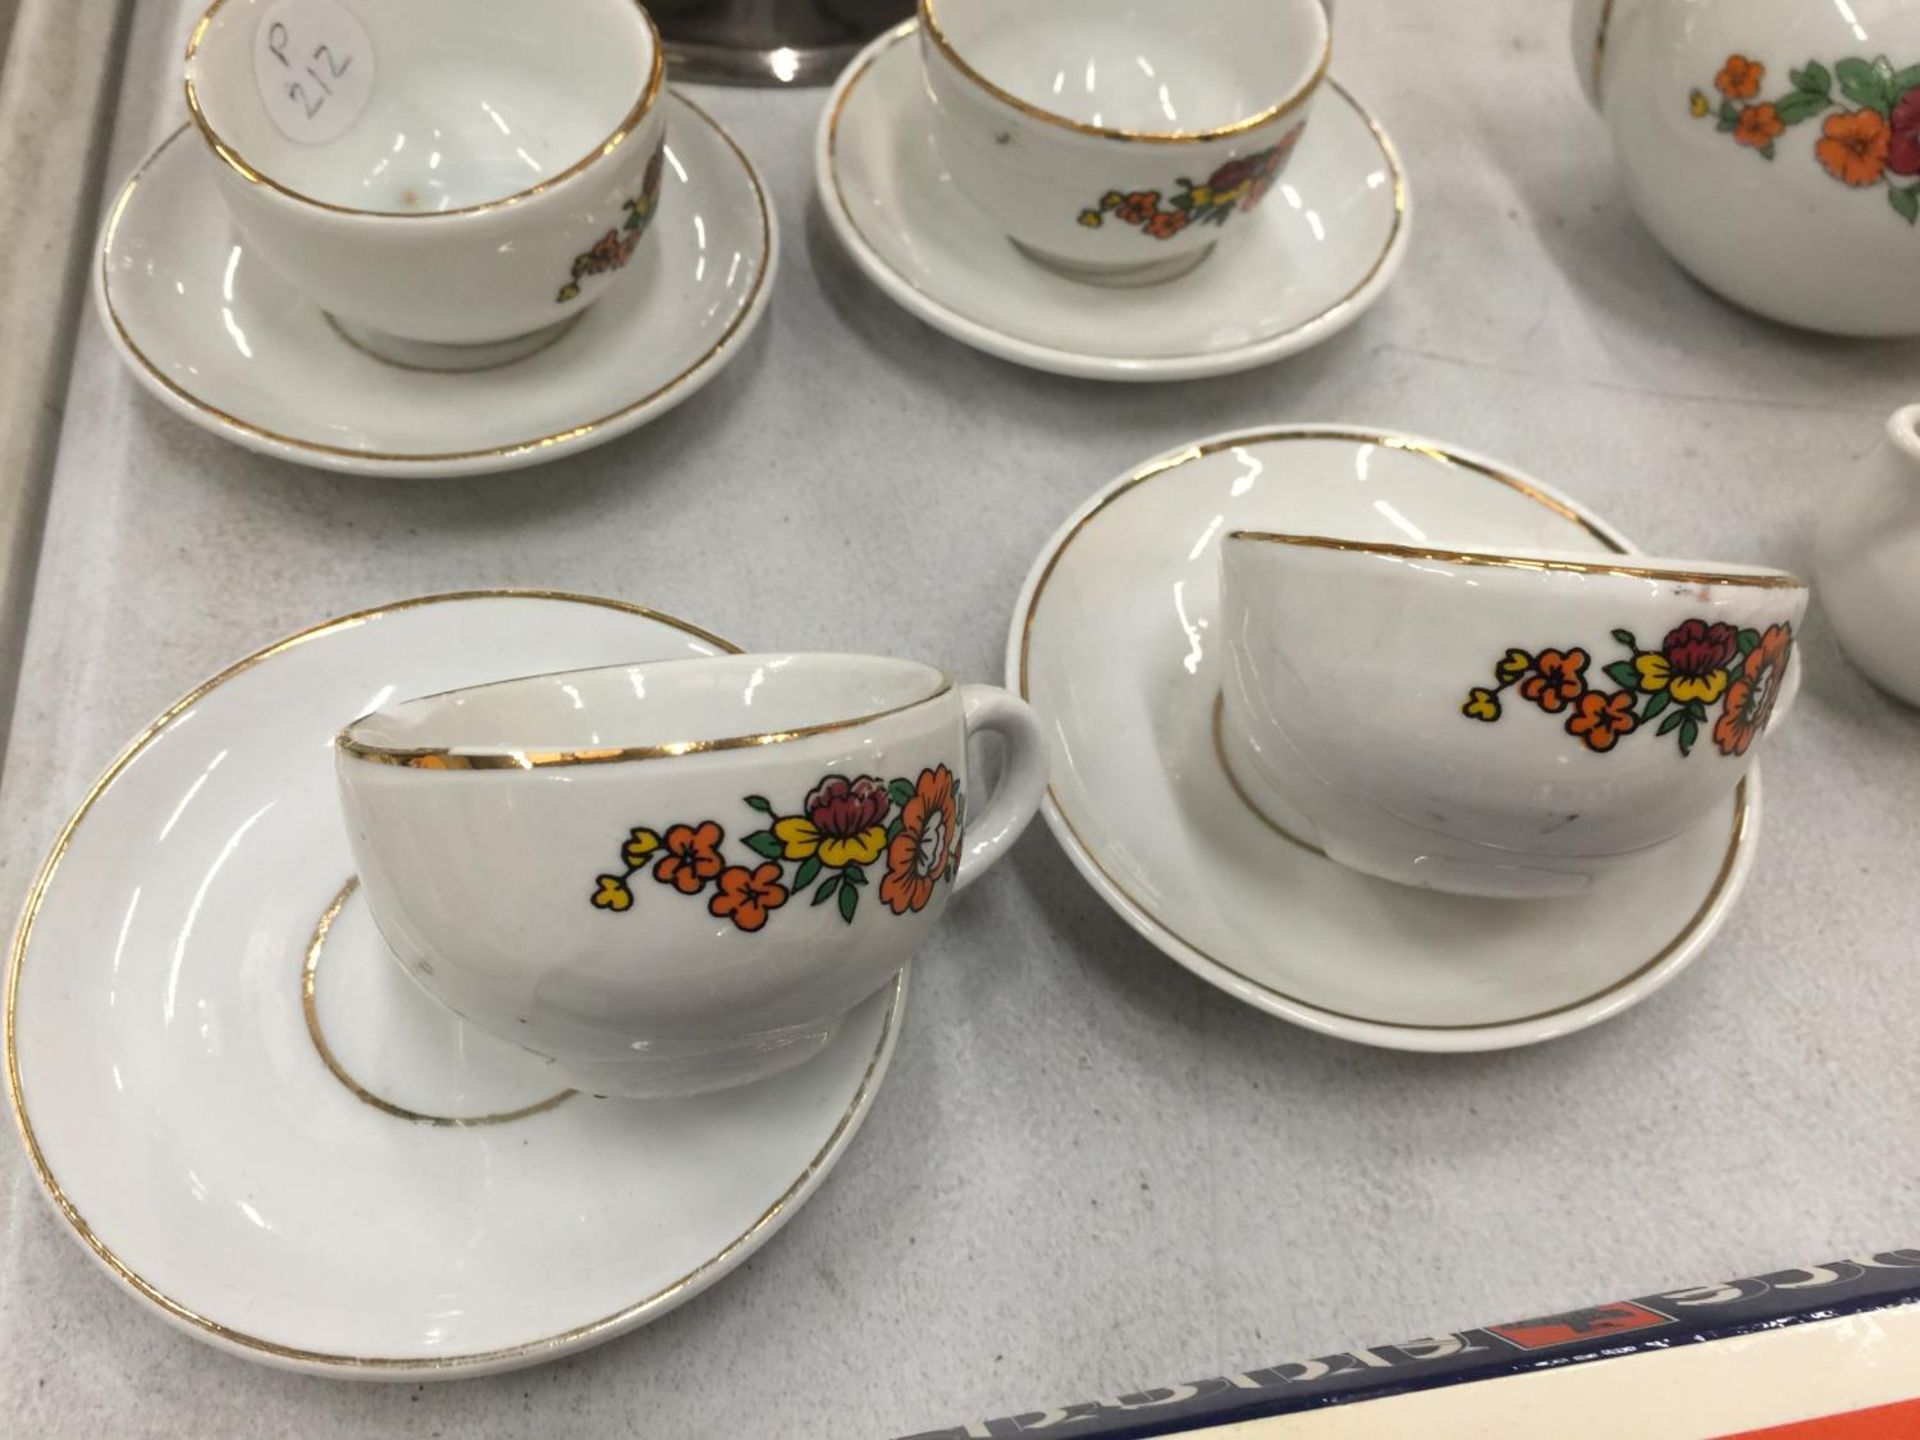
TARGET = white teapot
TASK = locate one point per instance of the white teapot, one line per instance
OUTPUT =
(1867, 561)
(1773, 147)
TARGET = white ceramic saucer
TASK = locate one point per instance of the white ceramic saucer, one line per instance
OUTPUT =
(1337, 225)
(1113, 642)
(254, 1122)
(206, 326)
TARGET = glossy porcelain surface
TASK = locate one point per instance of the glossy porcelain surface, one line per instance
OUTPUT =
(1509, 723)
(255, 1123)
(1334, 231)
(497, 146)
(674, 878)
(1792, 123)
(1122, 143)
(220, 338)
(1868, 560)
(1117, 641)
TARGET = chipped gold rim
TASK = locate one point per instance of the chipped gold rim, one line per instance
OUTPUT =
(1085, 853)
(459, 757)
(310, 1008)
(1774, 580)
(161, 381)
(884, 45)
(605, 1326)
(1294, 99)
(656, 80)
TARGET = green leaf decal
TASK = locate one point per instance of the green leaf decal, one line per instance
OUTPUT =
(1673, 721)
(1903, 81)
(763, 844)
(893, 830)
(1801, 105)
(825, 892)
(1625, 637)
(1689, 733)
(849, 902)
(1659, 702)
(900, 790)
(1816, 79)
(809, 872)
(1749, 639)
(760, 803)
(1622, 673)
(1907, 202)
(1866, 84)
(854, 875)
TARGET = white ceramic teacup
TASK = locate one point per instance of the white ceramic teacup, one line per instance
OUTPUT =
(1118, 143)
(453, 181)
(678, 876)
(1494, 723)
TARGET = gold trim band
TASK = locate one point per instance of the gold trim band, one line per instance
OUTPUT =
(1778, 580)
(459, 758)
(159, 379)
(606, 1325)
(310, 1008)
(1298, 97)
(1598, 61)
(656, 80)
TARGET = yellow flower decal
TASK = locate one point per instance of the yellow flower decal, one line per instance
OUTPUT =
(1656, 674)
(801, 839)
(1090, 219)
(639, 846)
(1516, 664)
(613, 894)
(1481, 705)
(1699, 105)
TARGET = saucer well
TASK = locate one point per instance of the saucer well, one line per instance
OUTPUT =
(1336, 227)
(1114, 641)
(211, 330)
(251, 1118)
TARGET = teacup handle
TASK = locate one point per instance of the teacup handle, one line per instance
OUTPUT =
(992, 830)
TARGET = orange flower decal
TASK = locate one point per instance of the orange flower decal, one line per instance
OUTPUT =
(1600, 719)
(1698, 663)
(1558, 679)
(1855, 147)
(1750, 698)
(1759, 126)
(1237, 184)
(1739, 78)
(747, 897)
(846, 824)
(1869, 112)
(692, 858)
(927, 846)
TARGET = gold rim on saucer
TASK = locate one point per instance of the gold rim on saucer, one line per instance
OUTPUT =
(1299, 95)
(161, 380)
(1742, 800)
(907, 28)
(1775, 580)
(649, 93)
(459, 757)
(619, 1320)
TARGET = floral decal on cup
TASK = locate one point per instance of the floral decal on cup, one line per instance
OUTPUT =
(613, 249)
(1869, 138)
(844, 825)
(1699, 665)
(1237, 185)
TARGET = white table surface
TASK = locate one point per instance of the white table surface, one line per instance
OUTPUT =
(1088, 1171)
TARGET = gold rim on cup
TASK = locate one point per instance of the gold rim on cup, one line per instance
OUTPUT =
(1293, 101)
(650, 92)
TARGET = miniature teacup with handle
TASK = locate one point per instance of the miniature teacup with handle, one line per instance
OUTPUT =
(678, 876)
(1495, 723)
(452, 181)
(1117, 144)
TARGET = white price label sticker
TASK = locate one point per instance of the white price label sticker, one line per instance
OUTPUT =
(314, 63)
